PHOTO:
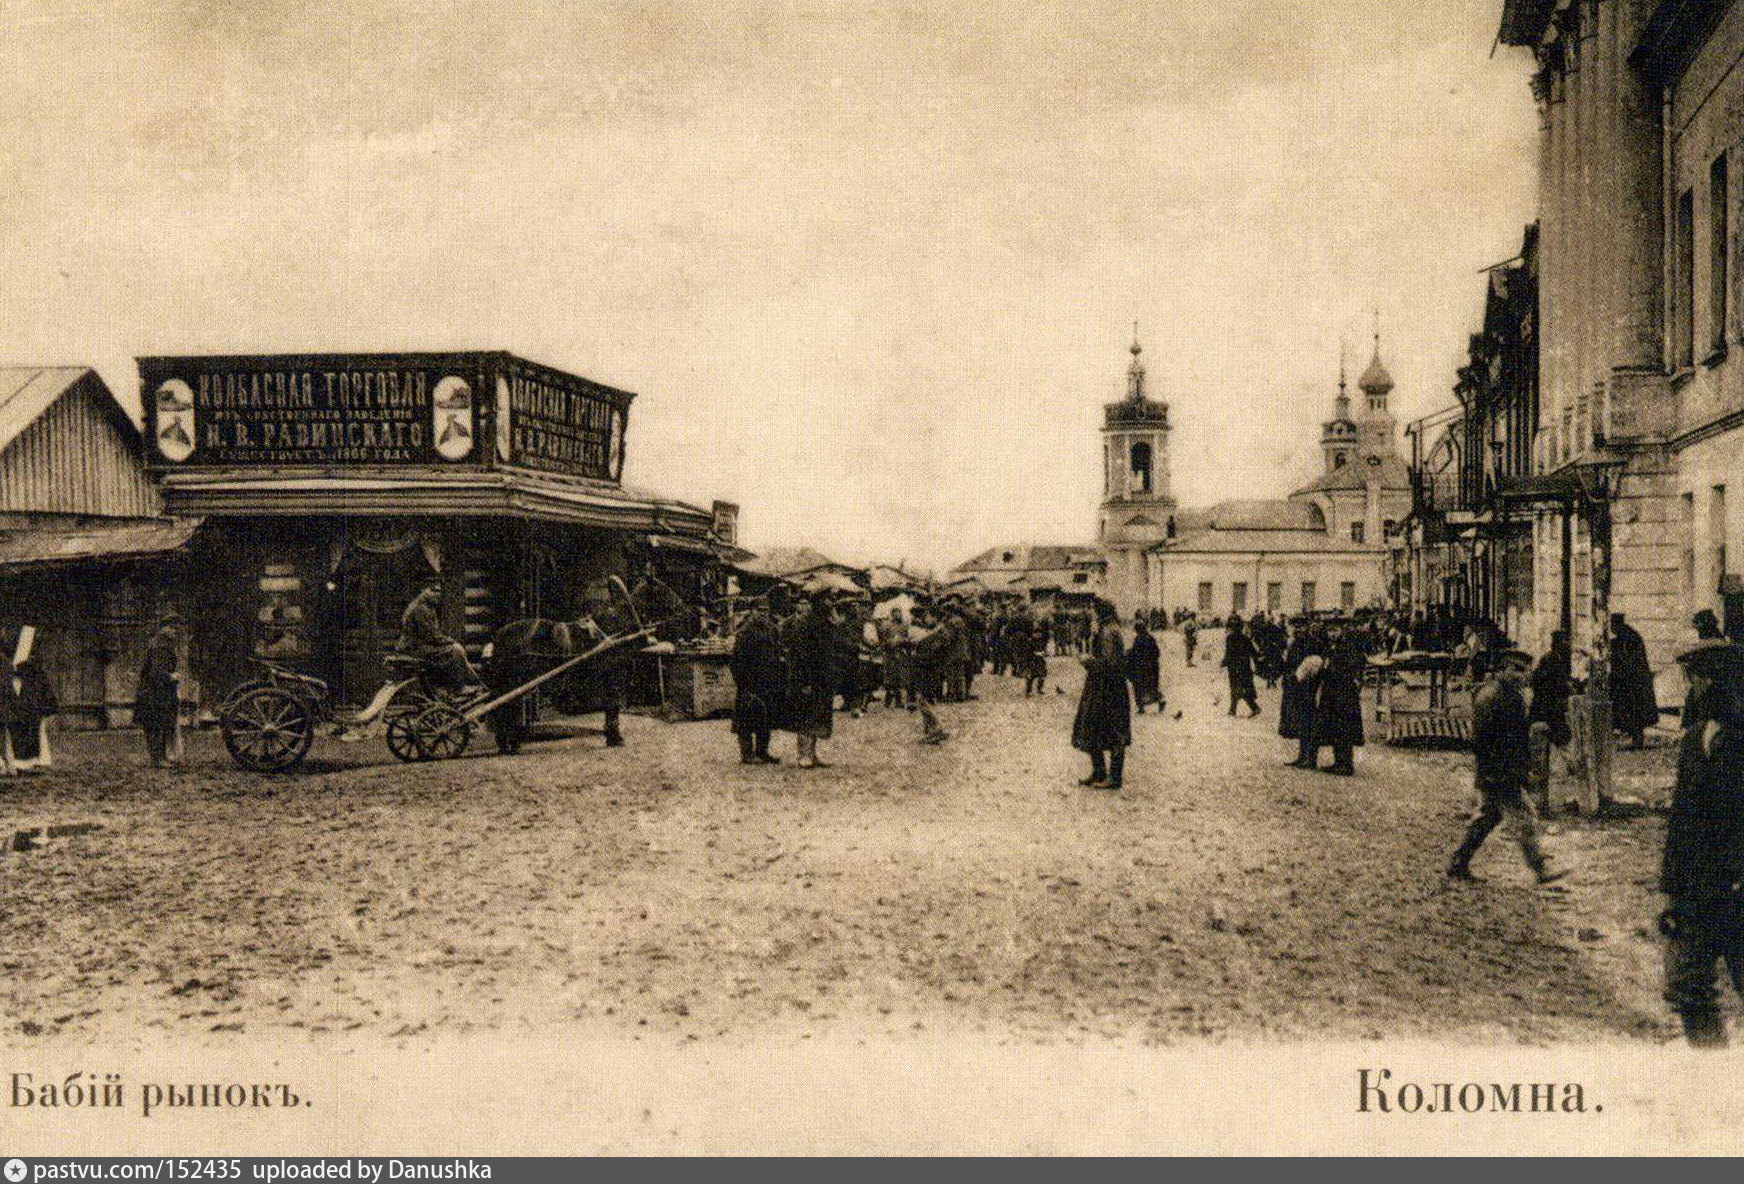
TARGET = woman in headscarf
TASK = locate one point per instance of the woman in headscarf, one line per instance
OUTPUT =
(1103, 726)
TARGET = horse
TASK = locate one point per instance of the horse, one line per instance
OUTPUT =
(523, 650)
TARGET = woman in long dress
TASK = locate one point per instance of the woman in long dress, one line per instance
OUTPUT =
(1103, 725)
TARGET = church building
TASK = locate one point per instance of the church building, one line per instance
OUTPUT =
(1324, 547)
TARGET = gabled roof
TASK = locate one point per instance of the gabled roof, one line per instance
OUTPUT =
(1029, 557)
(789, 561)
(1254, 514)
(28, 391)
(1391, 472)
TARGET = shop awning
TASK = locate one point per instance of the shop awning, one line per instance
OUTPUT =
(382, 492)
(712, 548)
(121, 543)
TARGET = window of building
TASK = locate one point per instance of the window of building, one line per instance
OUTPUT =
(1689, 548)
(1390, 528)
(1274, 597)
(1347, 594)
(1238, 596)
(1717, 533)
(1683, 281)
(1718, 245)
(1006, 557)
(1141, 467)
(1307, 596)
(1080, 577)
(1356, 532)
(1205, 596)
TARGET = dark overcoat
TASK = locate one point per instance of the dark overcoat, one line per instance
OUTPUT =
(1143, 668)
(1104, 719)
(1338, 702)
(1703, 864)
(759, 675)
(1238, 660)
(1296, 708)
(1550, 693)
(810, 643)
(1632, 703)
(156, 699)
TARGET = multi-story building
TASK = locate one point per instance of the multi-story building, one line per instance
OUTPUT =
(1641, 394)
(1468, 543)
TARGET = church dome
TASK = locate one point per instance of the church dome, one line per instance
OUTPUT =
(1375, 380)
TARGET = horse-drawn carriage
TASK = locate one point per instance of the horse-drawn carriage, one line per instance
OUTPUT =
(270, 722)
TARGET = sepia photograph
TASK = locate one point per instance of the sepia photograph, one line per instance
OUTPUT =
(867, 577)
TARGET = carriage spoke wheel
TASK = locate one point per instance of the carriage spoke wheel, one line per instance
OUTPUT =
(443, 732)
(268, 730)
(403, 739)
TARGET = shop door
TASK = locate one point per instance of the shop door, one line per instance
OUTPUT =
(374, 591)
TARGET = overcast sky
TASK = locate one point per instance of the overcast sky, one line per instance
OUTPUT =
(872, 268)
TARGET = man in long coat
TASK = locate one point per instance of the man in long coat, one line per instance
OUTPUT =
(1238, 660)
(810, 643)
(759, 679)
(1703, 864)
(1633, 707)
(1144, 667)
(157, 700)
(1103, 726)
(1338, 706)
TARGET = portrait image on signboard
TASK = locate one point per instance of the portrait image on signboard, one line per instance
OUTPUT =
(175, 420)
(451, 405)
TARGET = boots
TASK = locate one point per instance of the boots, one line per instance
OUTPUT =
(1116, 768)
(747, 749)
(1098, 778)
(1704, 1029)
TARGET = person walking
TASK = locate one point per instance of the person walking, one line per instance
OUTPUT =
(759, 679)
(1103, 725)
(1634, 708)
(1144, 667)
(1501, 752)
(157, 706)
(1238, 662)
(1702, 867)
(1190, 637)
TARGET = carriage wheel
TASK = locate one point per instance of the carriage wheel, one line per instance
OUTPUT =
(403, 738)
(443, 732)
(268, 730)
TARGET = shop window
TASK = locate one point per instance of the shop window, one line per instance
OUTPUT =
(1238, 596)
(1347, 595)
(1080, 577)
(1205, 596)
(1307, 596)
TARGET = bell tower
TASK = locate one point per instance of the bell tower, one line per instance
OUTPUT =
(1137, 507)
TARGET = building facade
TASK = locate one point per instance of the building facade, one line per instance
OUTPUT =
(1642, 396)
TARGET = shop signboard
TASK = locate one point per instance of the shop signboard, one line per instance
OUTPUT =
(331, 411)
